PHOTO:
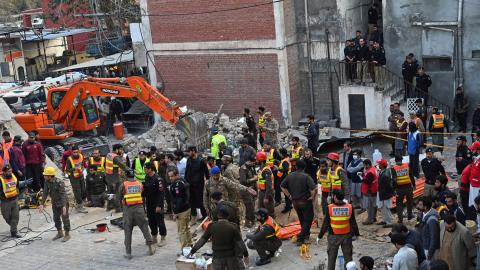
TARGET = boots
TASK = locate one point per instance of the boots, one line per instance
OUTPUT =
(15, 235)
(128, 256)
(66, 237)
(162, 242)
(151, 249)
(154, 239)
(80, 209)
(59, 235)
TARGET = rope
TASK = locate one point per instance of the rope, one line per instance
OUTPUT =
(427, 144)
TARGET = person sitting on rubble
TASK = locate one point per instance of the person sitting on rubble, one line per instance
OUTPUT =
(264, 239)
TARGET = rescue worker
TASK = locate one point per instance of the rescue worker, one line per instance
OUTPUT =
(342, 229)
(216, 140)
(271, 153)
(336, 175)
(284, 169)
(230, 208)
(74, 168)
(217, 182)
(265, 184)
(270, 127)
(114, 172)
(130, 192)
(96, 185)
(7, 144)
(436, 127)
(98, 160)
(326, 185)
(296, 151)
(154, 194)
(180, 195)
(232, 172)
(265, 239)
(138, 166)
(9, 192)
(55, 188)
(248, 178)
(403, 186)
(226, 243)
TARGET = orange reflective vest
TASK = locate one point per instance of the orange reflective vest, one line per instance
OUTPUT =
(75, 163)
(9, 186)
(403, 176)
(270, 158)
(100, 164)
(133, 192)
(438, 120)
(324, 181)
(335, 179)
(340, 218)
(6, 146)
(261, 182)
(280, 168)
(109, 163)
(270, 222)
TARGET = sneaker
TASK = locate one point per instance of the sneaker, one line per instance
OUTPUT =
(261, 262)
(80, 209)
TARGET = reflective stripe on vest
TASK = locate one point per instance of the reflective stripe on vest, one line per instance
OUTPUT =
(261, 120)
(324, 181)
(335, 178)
(109, 163)
(403, 176)
(133, 192)
(76, 163)
(140, 170)
(280, 168)
(9, 186)
(270, 158)
(270, 222)
(261, 182)
(100, 164)
(296, 152)
(438, 120)
(340, 218)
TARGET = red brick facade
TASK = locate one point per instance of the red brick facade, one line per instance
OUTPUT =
(255, 22)
(203, 82)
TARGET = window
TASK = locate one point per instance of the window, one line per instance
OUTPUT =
(434, 63)
(57, 97)
(475, 53)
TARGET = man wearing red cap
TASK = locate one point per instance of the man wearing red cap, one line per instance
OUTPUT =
(385, 193)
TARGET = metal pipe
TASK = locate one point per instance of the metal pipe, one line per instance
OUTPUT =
(435, 23)
(330, 83)
(309, 60)
(460, 42)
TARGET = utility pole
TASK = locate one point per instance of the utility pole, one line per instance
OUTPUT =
(309, 60)
(330, 82)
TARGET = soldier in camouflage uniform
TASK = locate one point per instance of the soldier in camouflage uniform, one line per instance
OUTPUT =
(227, 187)
(232, 172)
(248, 178)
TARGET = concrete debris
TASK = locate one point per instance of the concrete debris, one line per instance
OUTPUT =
(162, 135)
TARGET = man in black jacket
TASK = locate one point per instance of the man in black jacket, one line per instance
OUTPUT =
(454, 209)
(414, 240)
(350, 53)
(432, 168)
(363, 56)
(378, 60)
(385, 193)
(463, 155)
(372, 17)
(423, 82)
(409, 69)
(196, 172)
(96, 185)
(476, 119)
(154, 193)
(180, 194)
(313, 132)
(461, 109)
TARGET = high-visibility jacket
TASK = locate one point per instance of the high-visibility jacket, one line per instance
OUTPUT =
(280, 168)
(324, 181)
(403, 176)
(78, 162)
(157, 164)
(270, 222)
(296, 153)
(216, 140)
(334, 178)
(261, 120)
(373, 186)
(100, 164)
(3, 161)
(261, 182)
(270, 156)
(140, 170)
(133, 192)
(109, 165)
(9, 186)
(438, 120)
(6, 147)
(340, 218)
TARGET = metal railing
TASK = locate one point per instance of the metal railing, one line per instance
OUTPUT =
(383, 79)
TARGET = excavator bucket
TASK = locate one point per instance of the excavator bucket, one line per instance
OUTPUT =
(194, 130)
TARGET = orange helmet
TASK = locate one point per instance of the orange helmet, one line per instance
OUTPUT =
(333, 156)
(261, 156)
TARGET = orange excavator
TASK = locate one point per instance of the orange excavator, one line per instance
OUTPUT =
(72, 115)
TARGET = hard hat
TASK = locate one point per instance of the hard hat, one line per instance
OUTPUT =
(333, 156)
(261, 156)
(49, 171)
(262, 212)
(215, 170)
(475, 146)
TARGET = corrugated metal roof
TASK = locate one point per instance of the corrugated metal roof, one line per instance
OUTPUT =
(126, 56)
(50, 34)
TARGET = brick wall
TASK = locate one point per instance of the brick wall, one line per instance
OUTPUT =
(203, 82)
(243, 24)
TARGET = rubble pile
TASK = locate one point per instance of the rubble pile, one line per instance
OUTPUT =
(163, 135)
